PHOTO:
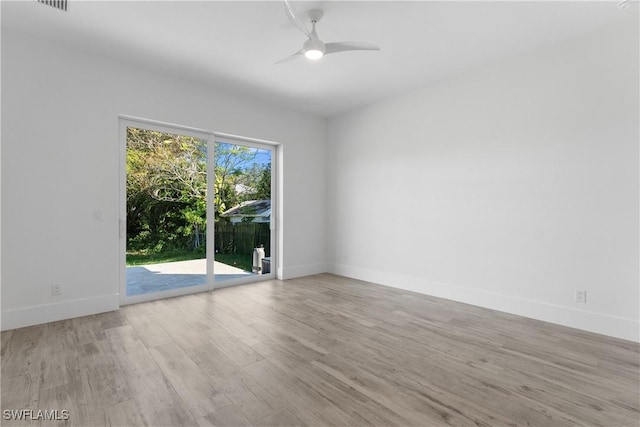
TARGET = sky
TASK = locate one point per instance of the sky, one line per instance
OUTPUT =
(263, 157)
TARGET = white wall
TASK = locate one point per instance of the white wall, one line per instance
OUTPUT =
(508, 187)
(60, 140)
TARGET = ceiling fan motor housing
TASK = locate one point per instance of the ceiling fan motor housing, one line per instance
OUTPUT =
(314, 44)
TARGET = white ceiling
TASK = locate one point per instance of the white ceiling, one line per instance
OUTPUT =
(234, 44)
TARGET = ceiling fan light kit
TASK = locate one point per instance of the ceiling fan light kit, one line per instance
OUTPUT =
(314, 48)
(313, 54)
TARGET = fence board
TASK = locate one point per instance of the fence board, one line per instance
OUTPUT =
(241, 238)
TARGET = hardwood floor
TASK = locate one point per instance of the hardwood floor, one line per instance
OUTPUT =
(315, 351)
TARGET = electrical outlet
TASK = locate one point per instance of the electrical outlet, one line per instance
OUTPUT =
(56, 290)
(581, 295)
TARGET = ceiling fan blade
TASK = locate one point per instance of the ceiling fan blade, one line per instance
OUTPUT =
(346, 46)
(289, 58)
(295, 18)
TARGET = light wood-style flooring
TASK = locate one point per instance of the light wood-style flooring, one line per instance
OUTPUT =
(316, 351)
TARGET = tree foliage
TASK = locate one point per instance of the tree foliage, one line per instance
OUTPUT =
(167, 188)
(236, 181)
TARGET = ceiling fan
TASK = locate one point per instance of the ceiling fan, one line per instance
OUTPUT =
(314, 48)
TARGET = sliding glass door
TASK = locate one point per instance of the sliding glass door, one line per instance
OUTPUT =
(197, 211)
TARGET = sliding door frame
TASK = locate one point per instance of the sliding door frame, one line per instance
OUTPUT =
(124, 123)
(273, 223)
(211, 138)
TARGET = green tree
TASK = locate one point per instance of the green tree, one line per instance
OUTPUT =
(231, 161)
(166, 189)
(258, 179)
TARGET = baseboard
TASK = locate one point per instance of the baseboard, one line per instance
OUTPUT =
(35, 315)
(628, 329)
(303, 270)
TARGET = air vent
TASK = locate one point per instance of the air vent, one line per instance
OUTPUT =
(58, 4)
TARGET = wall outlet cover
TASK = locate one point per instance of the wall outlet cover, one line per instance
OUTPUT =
(581, 296)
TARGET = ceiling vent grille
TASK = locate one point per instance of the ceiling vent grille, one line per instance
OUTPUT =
(58, 4)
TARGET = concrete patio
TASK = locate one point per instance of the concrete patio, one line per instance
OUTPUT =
(151, 278)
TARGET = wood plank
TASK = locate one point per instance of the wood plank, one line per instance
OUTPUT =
(248, 395)
(20, 392)
(150, 330)
(125, 413)
(227, 416)
(24, 352)
(199, 392)
(309, 405)
(69, 398)
(157, 401)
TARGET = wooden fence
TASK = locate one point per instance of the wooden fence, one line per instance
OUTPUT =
(242, 238)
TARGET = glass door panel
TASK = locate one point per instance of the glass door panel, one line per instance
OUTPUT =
(244, 203)
(166, 212)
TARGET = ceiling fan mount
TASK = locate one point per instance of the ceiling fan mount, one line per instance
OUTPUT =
(315, 15)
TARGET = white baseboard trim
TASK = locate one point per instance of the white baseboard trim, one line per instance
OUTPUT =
(35, 315)
(628, 329)
(303, 270)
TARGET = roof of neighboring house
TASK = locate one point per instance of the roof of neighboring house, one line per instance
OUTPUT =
(250, 208)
